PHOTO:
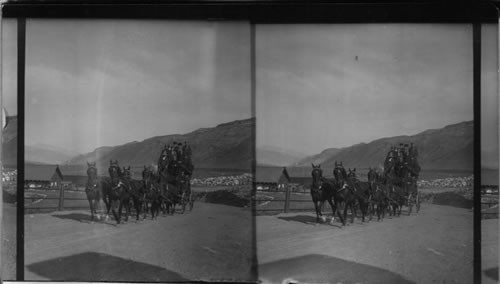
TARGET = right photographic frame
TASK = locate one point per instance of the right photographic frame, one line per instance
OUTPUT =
(365, 153)
(489, 153)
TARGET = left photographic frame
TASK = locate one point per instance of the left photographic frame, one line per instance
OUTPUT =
(138, 151)
(9, 151)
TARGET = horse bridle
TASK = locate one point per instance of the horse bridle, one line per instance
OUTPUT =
(319, 182)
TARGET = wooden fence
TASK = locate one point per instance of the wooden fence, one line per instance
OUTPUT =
(282, 201)
(48, 200)
(489, 206)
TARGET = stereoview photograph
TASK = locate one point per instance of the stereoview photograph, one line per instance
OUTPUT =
(364, 145)
(138, 151)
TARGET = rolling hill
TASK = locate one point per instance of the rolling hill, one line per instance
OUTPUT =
(273, 156)
(319, 158)
(46, 154)
(37, 154)
(226, 146)
(450, 147)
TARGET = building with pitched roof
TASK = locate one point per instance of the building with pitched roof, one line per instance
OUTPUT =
(42, 176)
(272, 178)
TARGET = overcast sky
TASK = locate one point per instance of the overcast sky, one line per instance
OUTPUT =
(92, 83)
(322, 86)
(9, 65)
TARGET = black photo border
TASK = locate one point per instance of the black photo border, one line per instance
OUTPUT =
(471, 12)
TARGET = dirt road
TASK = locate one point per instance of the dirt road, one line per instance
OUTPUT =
(212, 242)
(489, 251)
(435, 246)
(9, 241)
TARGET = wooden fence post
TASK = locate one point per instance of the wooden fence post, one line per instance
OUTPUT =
(61, 197)
(287, 198)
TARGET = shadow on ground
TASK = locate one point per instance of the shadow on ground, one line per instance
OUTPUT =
(311, 220)
(85, 218)
(316, 268)
(300, 218)
(80, 217)
(92, 266)
(492, 273)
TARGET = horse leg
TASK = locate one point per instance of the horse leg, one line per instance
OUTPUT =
(337, 210)
(127, 210)
(183, 202)
(371, 207)
(158, 208)
(321, 206)
(333, 210)
(91, 205)
(173, 207)
(95, 205)
(352, 205)
(378, 210)
(353, 211)
(383, 210)
(154, 209)
(120, 207)
(363, 206)
(410, 204)
(138, 208)
(107, 203)
(318, 213)
(116, 214)
(144, 209)
(345, 210)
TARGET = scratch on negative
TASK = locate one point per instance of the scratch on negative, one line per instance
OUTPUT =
(434, 251)
(210, 250)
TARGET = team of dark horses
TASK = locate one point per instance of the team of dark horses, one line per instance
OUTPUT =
(159, 190)
(386, 191)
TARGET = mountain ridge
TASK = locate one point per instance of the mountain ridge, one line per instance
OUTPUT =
(227, 145)
(450, 147)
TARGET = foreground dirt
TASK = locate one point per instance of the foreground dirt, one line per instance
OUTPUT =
(435, 246)
(489, 251)
(9, 242)
(213, 242)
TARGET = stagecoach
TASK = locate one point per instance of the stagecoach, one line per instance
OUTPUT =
(163, 189)
(401, 168)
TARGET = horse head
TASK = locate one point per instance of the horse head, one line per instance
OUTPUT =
(126, 173)
(115, 173)
(317, 175)
(339, 173)
(92, 174)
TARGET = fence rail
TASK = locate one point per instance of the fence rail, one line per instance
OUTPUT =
(54, 200)
(280, 201)
(489, 201)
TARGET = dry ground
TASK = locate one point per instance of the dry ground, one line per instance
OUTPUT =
(435, 246)
(489, 251)
(213, 242)
(9, 242)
